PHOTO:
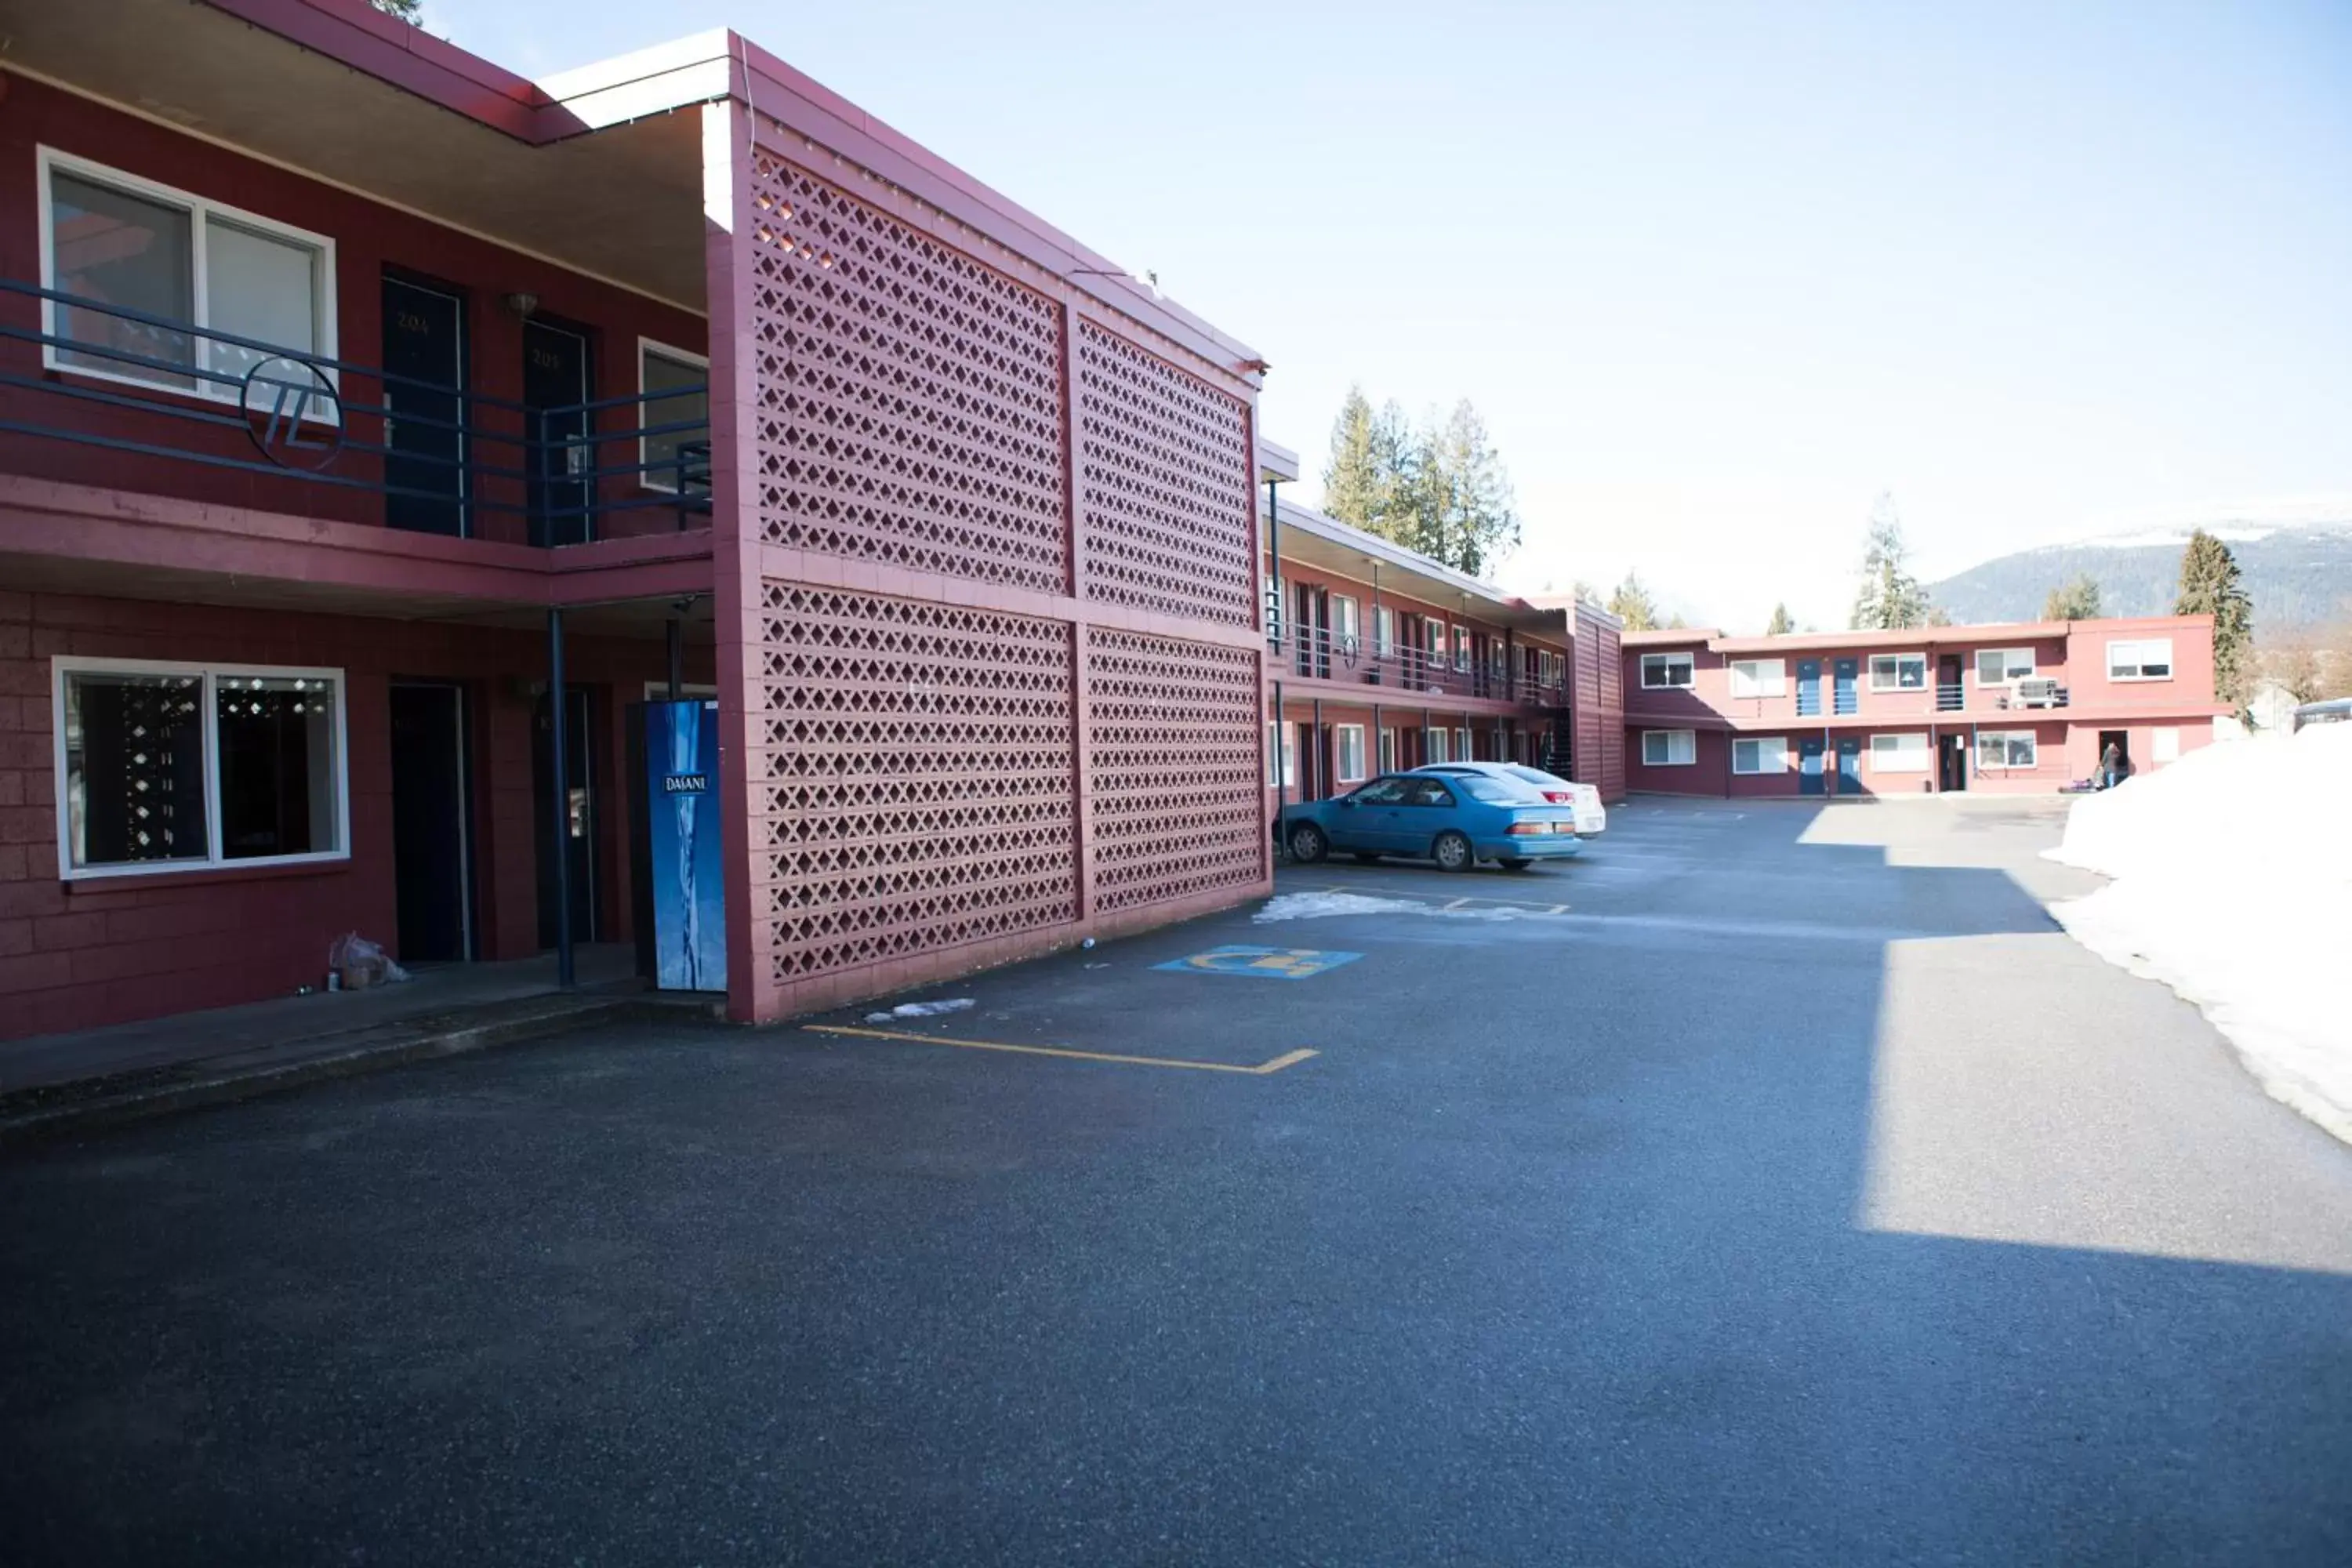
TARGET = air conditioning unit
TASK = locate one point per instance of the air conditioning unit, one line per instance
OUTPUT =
(2034, 691)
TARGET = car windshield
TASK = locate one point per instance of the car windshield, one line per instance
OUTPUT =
(1498, 792)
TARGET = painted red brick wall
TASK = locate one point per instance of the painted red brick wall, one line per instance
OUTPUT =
(369, 237)
(98, 951)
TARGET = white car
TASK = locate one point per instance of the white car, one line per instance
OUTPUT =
(1591, 817)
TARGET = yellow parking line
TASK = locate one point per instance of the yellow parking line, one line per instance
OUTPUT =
(1288, 1059)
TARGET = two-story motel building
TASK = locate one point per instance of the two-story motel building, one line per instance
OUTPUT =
(378, 426)
(2014, 708)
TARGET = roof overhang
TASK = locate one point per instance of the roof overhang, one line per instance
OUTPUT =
(1310, 537)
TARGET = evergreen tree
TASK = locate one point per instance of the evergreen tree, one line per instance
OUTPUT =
(1351, 475)
(1586, 593)
(1632, 604)
(1939, 617)
(1471, 509)
(1782, 624)
(409, 11)
(1890, 598)
(2075, 601)
(2208, 586)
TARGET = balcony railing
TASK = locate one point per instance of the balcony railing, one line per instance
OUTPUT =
(442, 459)
(1404, 672)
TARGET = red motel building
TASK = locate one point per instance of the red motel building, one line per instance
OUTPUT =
(2014, 708)
(1382, 661)
(378, 428)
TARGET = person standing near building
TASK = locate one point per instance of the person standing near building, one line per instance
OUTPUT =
(2111, 762)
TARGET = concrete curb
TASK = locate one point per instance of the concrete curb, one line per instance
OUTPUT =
(38, 1115)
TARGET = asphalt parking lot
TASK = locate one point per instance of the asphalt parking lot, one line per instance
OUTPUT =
(1771, 1184)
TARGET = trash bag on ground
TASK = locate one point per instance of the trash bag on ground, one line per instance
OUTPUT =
(361, 964)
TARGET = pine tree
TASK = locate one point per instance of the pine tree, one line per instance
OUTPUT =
(1782, 624)
(1890, 598)
(1351, 475)
(1586, 593)
(1472, 511)
(1632, 604)
(2208, 586)
(2075, 601)
(408, 11)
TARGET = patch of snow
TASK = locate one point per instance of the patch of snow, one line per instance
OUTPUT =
(1322, 906)
(2233, 886)
(919, 1010)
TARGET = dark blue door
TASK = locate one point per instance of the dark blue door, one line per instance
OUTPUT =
(1809, 688)
(1808, 766)
(554, 388)
(424, 408)
(1849, 754)
(1843, 692)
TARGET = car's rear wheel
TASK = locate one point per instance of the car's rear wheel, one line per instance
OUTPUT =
(1517, 865)
(1308, 843)
(1452, 852)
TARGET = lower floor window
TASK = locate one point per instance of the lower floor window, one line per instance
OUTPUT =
(1433, 743)
(1388, 751)
(1669, 748)
(172, 766)
(2002, 749)
(1768, 754)
(1348, 739)
(1898, 753)
(1281, 757)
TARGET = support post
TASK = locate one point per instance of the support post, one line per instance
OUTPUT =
(561, 766)
(677, 658)
(1314, 752)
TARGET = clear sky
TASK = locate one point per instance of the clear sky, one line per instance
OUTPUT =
(1716, 274)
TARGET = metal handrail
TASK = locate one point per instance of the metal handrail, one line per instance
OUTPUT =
(1323, 655)
(194, 396)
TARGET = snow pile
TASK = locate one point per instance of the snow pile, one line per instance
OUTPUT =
(1319, 905)
(2232, 885)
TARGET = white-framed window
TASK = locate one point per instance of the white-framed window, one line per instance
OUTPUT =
(177, 767)
(1348, 745)
(673, 388)
(1461, 648)
(1905, 754)
(109, 237)
(2164, 743)
(1759, 677)
(1347, 624)
(1761, 754)
(1664, 669)
(1462, 753)
(2000, 666)
(1383, 631)
(1898, 672)
(1433, 747)
(1389, 739)
(1669, 748)
(1999, 750)
(2149, 659)
(1281, 756)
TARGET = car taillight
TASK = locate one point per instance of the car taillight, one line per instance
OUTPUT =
(1527, 829)
(1556, 797)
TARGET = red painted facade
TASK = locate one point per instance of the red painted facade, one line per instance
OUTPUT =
(1931, 689)
(974, 579)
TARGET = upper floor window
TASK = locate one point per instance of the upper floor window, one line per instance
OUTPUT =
(152, 262)
(2000, 666)
(1665, 669)
(1758, 677)
(1898, 672)
(168, 767)
(2147, 659)
(1345, 625)
(1383, 630)
(674, 386)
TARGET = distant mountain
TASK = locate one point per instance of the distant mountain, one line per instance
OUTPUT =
(2295, 573)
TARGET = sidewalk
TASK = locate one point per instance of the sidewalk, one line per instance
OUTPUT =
(53, 1083)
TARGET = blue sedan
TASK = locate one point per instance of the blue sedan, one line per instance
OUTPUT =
(1456, 821)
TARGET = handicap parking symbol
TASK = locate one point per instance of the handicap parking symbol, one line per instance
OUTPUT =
(1262, 963)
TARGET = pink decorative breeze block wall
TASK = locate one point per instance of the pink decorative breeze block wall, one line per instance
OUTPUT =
(993, 552)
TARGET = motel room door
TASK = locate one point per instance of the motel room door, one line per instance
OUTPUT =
(1808, 766)
(425, 393)
(555, 382)
(432, 837)
(1952, 761)
(1849, 759)
(579, 741)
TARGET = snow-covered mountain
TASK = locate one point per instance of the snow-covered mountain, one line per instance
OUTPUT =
(2297, 572)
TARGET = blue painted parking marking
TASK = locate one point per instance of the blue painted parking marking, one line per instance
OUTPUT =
(1262, 963)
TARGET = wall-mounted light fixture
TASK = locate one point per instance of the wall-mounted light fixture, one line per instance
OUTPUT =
(523, 304)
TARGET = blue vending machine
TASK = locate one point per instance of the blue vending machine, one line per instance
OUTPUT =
(682, 893)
